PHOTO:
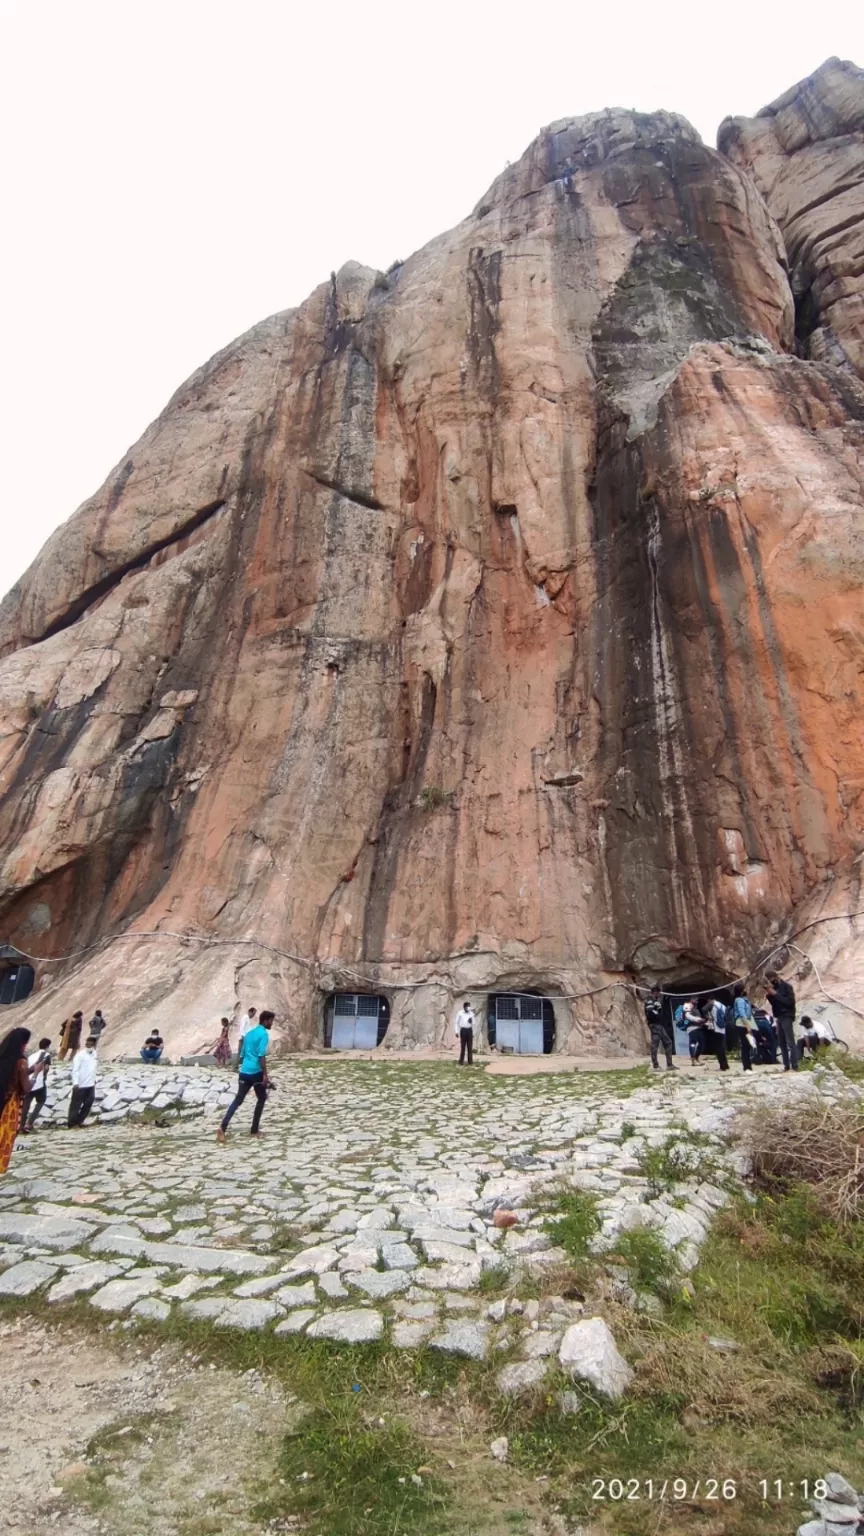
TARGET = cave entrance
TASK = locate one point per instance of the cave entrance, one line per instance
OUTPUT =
(521, 1022)
(16, 976)
(355, 1021)
(703, 986)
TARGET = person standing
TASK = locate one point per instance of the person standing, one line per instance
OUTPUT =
(71, 1037)
(247, 1022)
(464, 1031)
(253, 1074)
(84, 1071)
(38, 1066)
(781, 996)
(97, 1024)
(743, 1015)
(661, 1039)
(14, 1087)
(715, 1021)
(695, 1027)
(222, 1053)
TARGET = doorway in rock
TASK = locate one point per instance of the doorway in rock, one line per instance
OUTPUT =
(702, 986)
(355, 1021)
(521, 1022)
(16, 976)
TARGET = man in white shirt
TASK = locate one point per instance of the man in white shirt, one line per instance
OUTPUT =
(84, 1068)
(248, 1021)
(464, 1029)
(38, 1064)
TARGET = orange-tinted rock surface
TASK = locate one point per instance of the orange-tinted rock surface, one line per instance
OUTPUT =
(806, 155)
(492, 624)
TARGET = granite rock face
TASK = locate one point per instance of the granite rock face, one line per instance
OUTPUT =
(492, 623)
(806, 155)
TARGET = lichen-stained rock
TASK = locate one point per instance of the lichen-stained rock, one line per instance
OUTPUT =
(805, 153)
(492, 623)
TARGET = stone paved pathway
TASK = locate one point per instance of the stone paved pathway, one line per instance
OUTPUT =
(367, 1209)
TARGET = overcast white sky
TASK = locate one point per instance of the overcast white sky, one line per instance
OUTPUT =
(173, 172)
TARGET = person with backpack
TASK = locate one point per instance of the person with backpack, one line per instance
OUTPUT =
(743, 1016)
(715, 1021)
(781, 996)
(661, 1040)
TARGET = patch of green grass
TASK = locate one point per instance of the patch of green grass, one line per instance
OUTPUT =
(347, 1471)
(572, 1221)
(494, 1280)
(649, 1261)
(628, 1130)
(851, 1066)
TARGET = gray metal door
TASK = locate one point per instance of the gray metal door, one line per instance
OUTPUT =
(355, 1022)
(519, 1023)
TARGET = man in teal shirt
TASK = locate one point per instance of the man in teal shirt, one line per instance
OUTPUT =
(253, 1074)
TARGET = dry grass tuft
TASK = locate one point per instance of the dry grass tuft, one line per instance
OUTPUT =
(718, 1386)
(821, 1145)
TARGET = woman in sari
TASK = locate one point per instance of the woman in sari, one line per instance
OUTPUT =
(222, 1052)
(14, 1087)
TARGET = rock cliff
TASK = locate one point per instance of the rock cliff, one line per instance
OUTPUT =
(491, 623)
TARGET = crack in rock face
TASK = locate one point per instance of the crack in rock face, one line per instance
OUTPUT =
(490, 628)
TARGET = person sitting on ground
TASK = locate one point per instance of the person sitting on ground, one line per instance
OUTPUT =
(84, 1070)
(222, 1053)
(814, 1036)
(153, 1046)
(38, 1065)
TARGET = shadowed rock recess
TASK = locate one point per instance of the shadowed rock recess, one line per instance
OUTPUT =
(494, 623)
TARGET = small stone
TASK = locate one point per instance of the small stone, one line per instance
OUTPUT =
(295, 1295)
(248, 1315)
(409, 1335)
(295, 1322)
(262, 1286)
(359, 1326)
(500, 1448)
(497, 1310)
(589, 1352)
(22, 1279)
(521, 1376)
(539, 1346)
(503, 1218)
(726, 1346)
(152, 1309)
(85, 1277)
(468, 1339)
(569, 1402)
(449, 1277)
(840, 1490)
(74, 1470)
(118, 1295)
(331, 1285)
(399, 1256)
(379, 1284)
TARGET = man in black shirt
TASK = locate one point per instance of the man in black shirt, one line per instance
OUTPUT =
(781, 996)
(660, 1036)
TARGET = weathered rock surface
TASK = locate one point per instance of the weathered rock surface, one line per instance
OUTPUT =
(491, 624)
(806, 155)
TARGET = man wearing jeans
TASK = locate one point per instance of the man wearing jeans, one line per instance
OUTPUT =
(253, 1074)
(781, 996)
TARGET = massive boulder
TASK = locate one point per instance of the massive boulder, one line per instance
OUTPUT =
(490, 623)
(806, 155)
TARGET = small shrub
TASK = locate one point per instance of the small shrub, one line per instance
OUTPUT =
(681, 1158)
(628, 1130)
(494, 1280)
(649, 1261)
(573, 1221)
(820, 1146)
(432, 796)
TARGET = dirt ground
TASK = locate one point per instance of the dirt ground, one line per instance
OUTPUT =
(128, 1440)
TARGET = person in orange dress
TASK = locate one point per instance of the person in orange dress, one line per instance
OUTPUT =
(14, 1087)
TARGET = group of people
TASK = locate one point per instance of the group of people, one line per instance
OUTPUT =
(72, 1029)
(24, 1085)
(757, 1030)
